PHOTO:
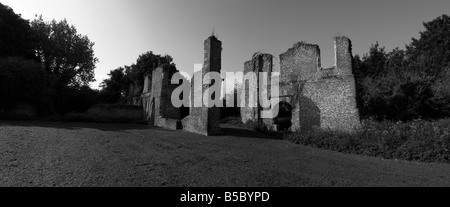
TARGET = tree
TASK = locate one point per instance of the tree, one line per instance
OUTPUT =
(146, 63)
(115, 86)
(374, 64)
(431, 50)
(402, 85)
(22, 81)
(64, 53)
(371, 67)
(430, 57)
(16, 39)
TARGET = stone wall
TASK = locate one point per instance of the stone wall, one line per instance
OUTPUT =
(321, 98)
(158, 108)
(157, 90)
(205, 120)
(328, 104)
(300, 62)
(260, 63)
(134, 93)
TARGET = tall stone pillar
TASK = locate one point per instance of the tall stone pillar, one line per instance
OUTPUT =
(343, 53)
(259, 63)
(205, 120)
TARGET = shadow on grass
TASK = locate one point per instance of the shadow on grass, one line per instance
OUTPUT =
(230, 130)
(81, 125)
(227, 130)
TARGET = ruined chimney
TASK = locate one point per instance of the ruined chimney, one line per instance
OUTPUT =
(343, 55)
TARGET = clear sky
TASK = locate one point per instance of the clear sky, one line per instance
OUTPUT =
(124, 29)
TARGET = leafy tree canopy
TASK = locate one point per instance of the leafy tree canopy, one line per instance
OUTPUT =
(432, 49)
(16, 38)
(411, 83)
(64, 53)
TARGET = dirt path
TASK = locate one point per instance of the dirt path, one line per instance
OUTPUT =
(82, 154)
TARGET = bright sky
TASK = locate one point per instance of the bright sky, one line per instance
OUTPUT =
(124, 29)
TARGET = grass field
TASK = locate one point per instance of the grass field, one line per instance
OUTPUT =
(37, 153)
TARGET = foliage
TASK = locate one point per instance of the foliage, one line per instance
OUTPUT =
(417, 140)
(85, 117)
(431, 50)
(64, 53)
(76, 99)
(16, 39)
(146, 63)
(24, 82)
(407, 84)
(115, 86)
(107, 113)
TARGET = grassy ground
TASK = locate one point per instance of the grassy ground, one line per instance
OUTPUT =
(419, 140)
(35, 153)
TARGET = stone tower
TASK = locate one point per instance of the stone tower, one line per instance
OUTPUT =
(205, 120)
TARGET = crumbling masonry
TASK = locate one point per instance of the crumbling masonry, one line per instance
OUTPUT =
(259, 63)
(134, 93)
(156, 98)
(318, 97)
(206, 120)
(157, 91)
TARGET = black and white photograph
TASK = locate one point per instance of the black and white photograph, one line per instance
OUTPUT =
(187, 94)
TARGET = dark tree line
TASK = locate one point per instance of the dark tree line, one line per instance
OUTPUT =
(116, 86)
(410, 83)
(45, 64)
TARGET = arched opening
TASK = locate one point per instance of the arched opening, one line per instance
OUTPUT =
(151, 118)
(283, 120)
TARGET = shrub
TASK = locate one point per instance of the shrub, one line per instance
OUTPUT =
(75, 100)
(108, 113)
(23, 82)
(417, 140)
(251, 125)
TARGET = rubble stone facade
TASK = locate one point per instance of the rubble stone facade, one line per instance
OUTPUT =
(317, 97)
(205, 120)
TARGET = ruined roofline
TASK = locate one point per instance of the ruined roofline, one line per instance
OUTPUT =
(212, 36)
(164, 66)
(340, 37)
(298, 46)
(342, 51)
(343, 55)
(303, 44)
(261, 54)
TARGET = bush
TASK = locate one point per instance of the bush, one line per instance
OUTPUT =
(76, 100)
(251, 125)
(418, 140)
(236, 121)
(85, 117)
(23, 82)
(108, 113)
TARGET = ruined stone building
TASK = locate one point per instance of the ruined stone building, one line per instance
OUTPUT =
(205, 120)
(157, 91)
(317, 97)
(134, 94)
(259, 63)
(156, 98)
(310, 96)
